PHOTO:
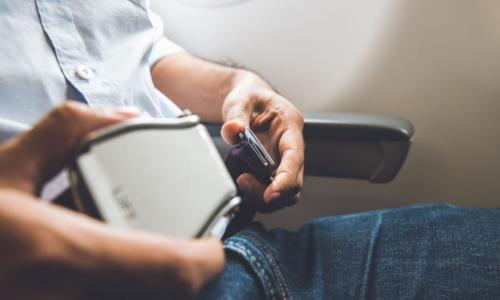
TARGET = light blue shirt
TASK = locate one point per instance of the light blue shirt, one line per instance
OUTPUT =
(94, 51)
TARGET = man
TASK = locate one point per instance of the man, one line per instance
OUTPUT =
(111, 54)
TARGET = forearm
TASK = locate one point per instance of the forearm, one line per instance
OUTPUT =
(241, 99)
(195, 84)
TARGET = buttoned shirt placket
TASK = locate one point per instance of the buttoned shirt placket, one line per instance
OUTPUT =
(58, 24)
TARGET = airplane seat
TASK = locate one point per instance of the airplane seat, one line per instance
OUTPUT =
(347, 145)
(368, 148)
(434, 63)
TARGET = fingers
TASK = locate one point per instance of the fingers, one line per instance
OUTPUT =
(152, 266)
(37, 155)
(289, 178)
(279, 127)
(63, 249)
(231, 129)
(285, 189)
(207, 257)
(252, 190)
(237, 111)
(161, 267)
(274, 117)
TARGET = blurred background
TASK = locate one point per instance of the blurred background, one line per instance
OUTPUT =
(435, 63)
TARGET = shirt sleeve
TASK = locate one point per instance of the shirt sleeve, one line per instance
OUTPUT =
(162, 46)
(9, 129)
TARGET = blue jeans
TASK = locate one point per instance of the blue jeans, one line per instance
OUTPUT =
(427, 252)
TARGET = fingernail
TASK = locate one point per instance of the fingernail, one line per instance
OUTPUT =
(274, 197)
(124, 111)
(243, 186)
(127, 111)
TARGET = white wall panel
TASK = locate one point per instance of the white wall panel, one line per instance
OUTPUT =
(436, 63)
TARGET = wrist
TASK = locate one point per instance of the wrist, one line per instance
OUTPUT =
(245, 78)
(13, 177)
(237, 78)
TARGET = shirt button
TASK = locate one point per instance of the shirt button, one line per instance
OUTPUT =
(84, 72)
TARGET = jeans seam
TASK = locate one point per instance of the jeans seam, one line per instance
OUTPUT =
(369, 261)
(284, 290)
(247, 253)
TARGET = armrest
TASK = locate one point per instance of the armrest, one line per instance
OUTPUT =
(357, 146)
(352, 146)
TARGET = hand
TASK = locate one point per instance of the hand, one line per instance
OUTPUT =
(48, 252)
(278, 125)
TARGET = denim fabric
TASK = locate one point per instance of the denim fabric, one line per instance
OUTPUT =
(422, 252)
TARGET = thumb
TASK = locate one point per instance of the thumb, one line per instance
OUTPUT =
(40, 153)
(230, 131)
(236, 120)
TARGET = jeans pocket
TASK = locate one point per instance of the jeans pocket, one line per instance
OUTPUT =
(263, 264)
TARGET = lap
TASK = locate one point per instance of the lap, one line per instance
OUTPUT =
(433, 251)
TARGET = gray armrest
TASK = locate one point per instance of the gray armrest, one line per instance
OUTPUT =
(358, 146)
(354, 146)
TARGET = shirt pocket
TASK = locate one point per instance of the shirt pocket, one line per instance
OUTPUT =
(106, 24)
